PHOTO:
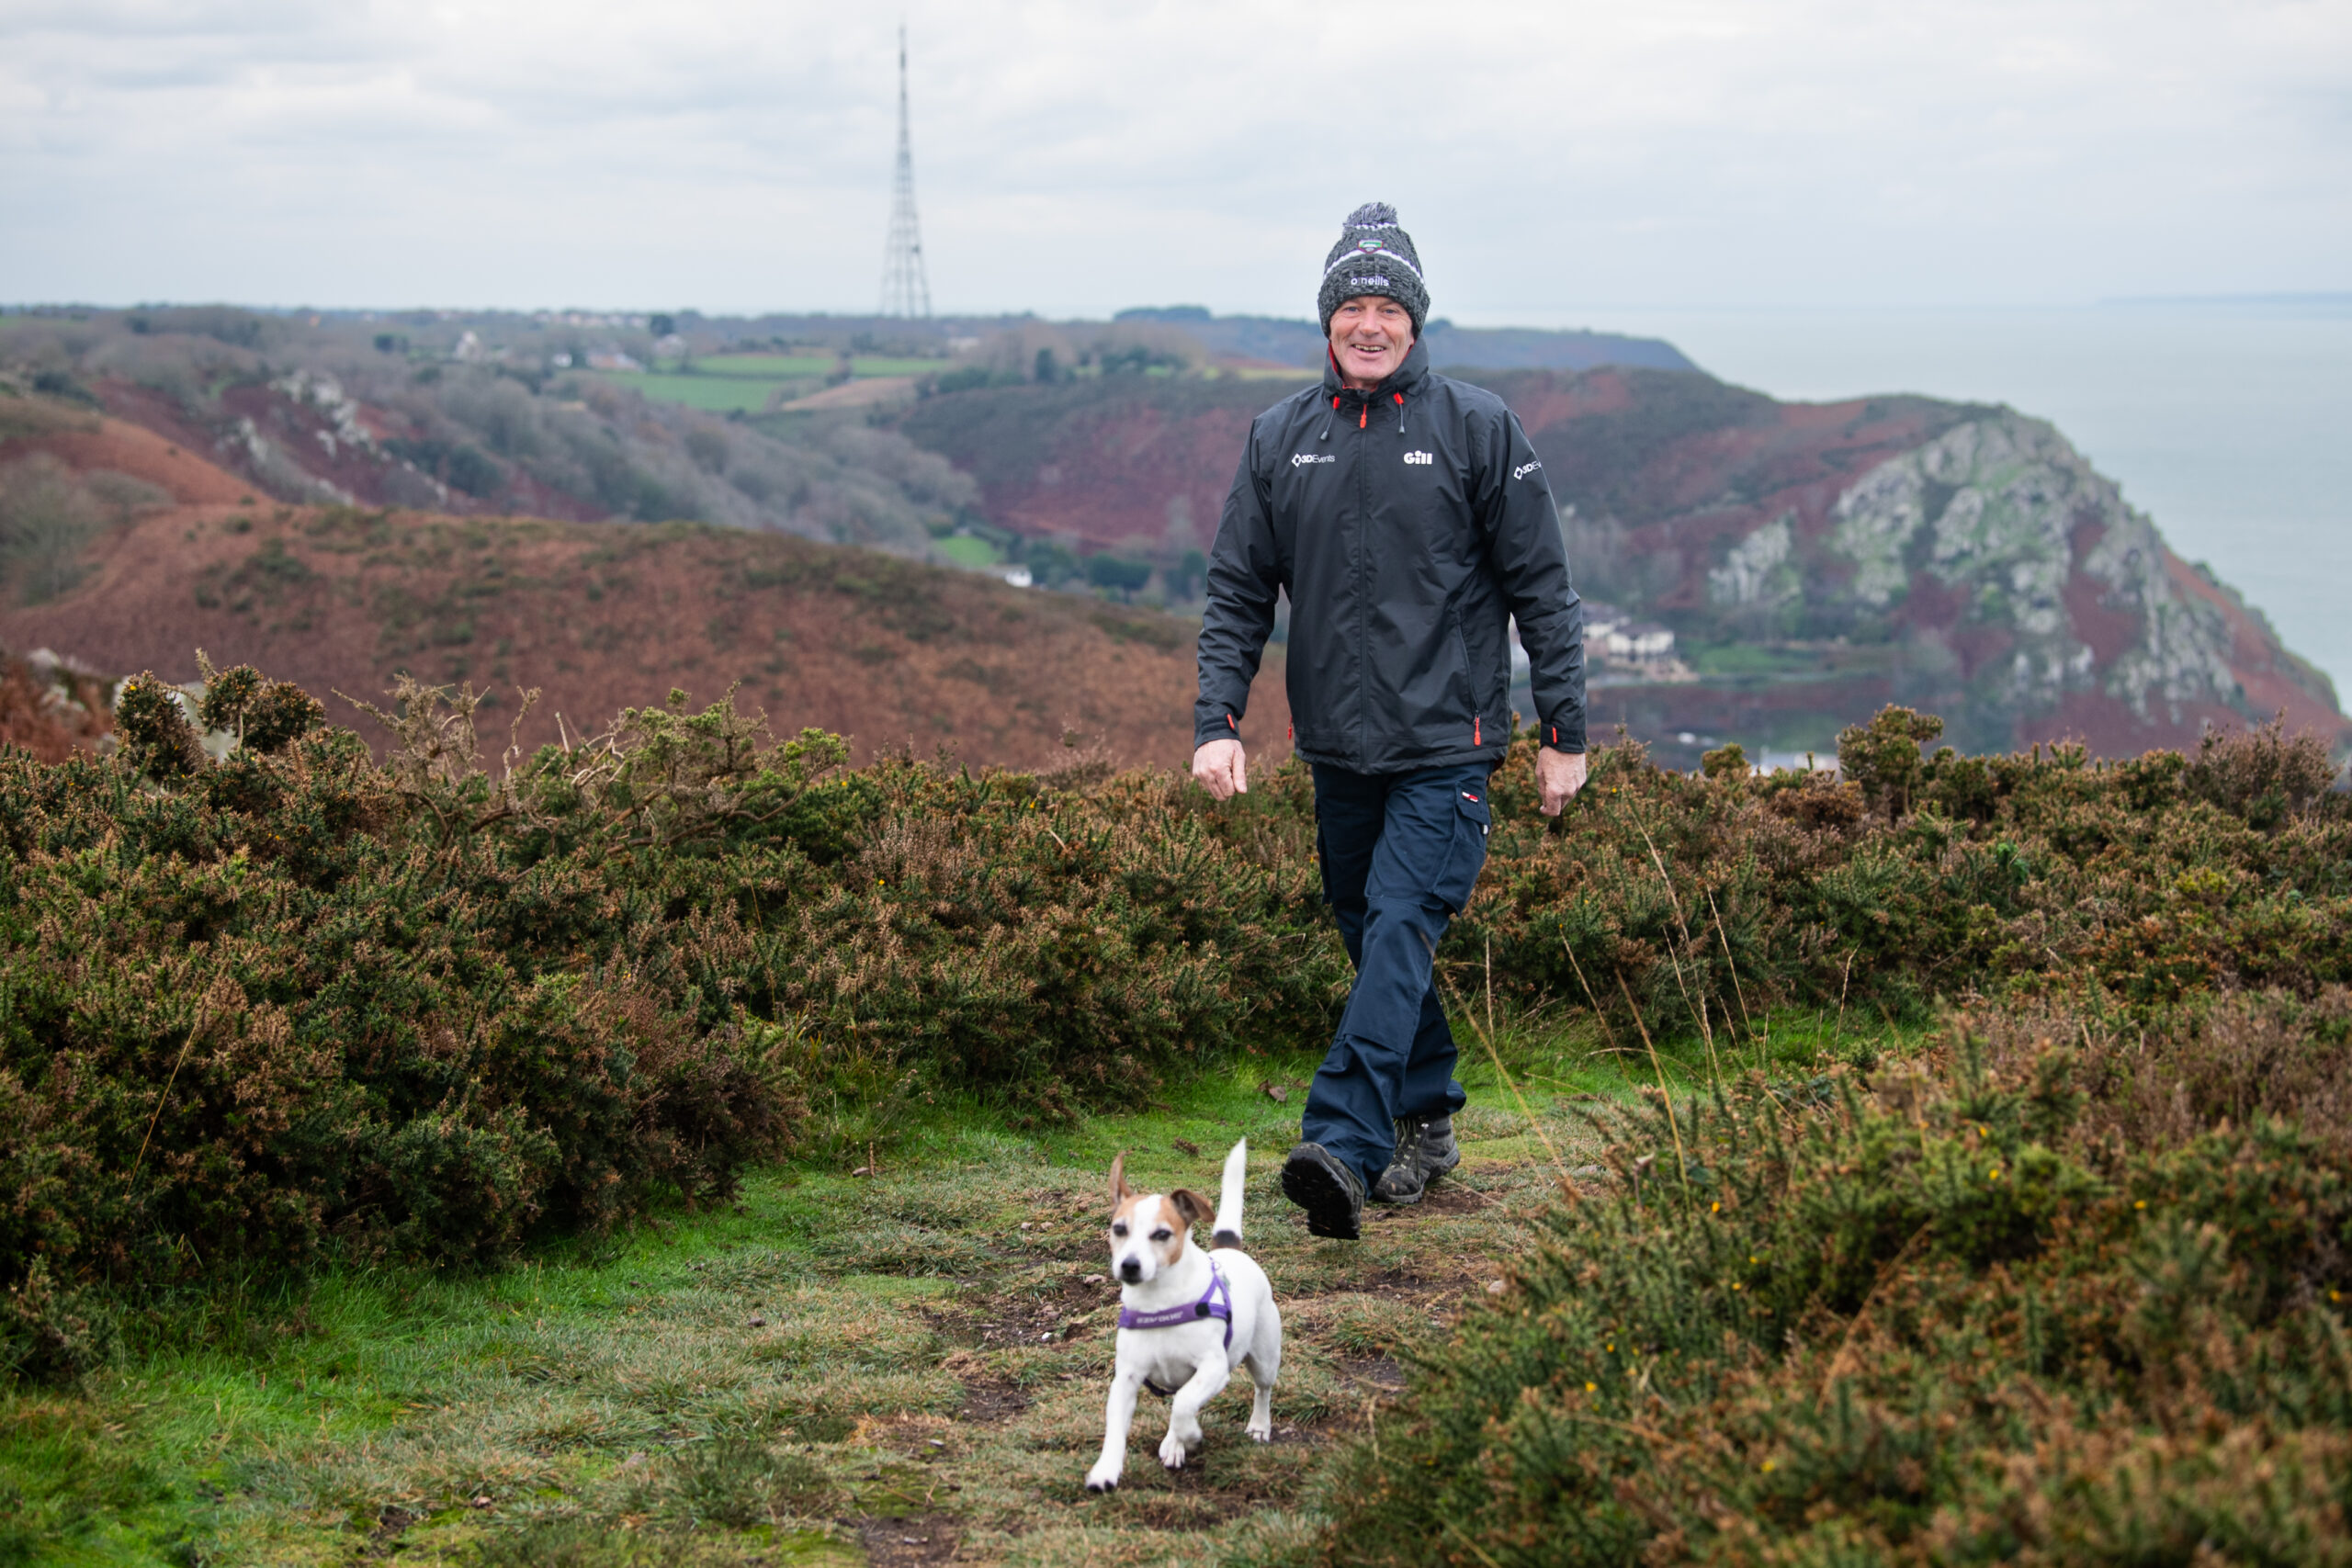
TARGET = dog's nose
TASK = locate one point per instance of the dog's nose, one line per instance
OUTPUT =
(1131, 1270)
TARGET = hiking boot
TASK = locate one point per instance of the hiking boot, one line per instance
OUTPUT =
(1319, 1182)
(1425, 1151)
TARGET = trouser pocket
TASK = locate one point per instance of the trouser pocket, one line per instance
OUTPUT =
(1467, 854)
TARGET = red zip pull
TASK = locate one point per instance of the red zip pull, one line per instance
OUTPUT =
(1363, 415)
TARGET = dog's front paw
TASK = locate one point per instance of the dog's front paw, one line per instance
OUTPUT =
(1103, 1477)
(1260, 1431)
(1171, 1452)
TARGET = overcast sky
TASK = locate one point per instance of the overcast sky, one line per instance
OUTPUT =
(1071, 159)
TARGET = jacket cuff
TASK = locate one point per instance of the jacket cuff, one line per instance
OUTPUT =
(1563, 734)
(1224, 727)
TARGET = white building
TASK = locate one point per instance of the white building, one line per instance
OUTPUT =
(1611, 634)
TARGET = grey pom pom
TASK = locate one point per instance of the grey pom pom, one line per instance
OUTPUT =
(1373, 215)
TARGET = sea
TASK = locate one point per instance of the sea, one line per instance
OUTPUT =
(2228, 421)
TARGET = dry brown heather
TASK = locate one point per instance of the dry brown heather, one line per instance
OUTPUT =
(602, 616)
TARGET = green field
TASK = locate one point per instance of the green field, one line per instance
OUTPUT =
(758, 366)
(711, 394)
(745, 383)
(968, 552)
(787, 367)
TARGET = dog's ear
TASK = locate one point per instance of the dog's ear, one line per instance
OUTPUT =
(1192, 1205)
(1120, 1192)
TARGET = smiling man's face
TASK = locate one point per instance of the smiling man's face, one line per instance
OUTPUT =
(1371, 334)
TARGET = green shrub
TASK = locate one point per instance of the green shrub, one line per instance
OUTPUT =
(263, 715)
(151, 718)
(300, 1000)
(1712, 899)
(1949, 1321)
(50, 1333)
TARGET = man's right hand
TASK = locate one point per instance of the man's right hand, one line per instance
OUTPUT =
(1222, 769)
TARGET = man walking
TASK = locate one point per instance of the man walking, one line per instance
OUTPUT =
(1409, 522)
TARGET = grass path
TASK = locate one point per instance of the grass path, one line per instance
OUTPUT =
(901, 1368)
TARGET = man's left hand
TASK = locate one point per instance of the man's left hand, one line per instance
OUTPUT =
(1558, 776)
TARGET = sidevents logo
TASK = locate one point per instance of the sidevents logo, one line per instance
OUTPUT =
(1422, 459)
(1524, 469)
(1301, 459)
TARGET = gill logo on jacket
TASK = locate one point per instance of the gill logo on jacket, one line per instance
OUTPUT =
(1420, 456)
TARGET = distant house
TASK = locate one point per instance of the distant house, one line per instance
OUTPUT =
(1611, 634)
(1618, 643)
(612, 359)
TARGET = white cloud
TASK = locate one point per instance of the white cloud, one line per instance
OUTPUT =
(1077, 157)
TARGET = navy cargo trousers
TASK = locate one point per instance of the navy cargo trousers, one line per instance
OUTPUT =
(1400, 852)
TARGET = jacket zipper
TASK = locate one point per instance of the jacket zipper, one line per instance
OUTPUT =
(1364, 523)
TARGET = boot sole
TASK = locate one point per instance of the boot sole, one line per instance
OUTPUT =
(1329, 1211)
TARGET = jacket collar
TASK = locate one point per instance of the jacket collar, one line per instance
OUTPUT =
(1405, 379)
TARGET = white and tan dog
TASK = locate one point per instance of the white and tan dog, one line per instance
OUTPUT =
(1186, 1317)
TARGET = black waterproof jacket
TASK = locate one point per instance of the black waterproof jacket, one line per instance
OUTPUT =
(1409, 525)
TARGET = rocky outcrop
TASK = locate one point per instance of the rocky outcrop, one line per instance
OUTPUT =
(1965, 559)
(1758, 578)
(2017, 548)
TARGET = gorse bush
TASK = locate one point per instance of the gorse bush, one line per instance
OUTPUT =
(298, 1000)
(302, 999)
(2071, 1288)
(2043, 1299)
(1712, 899)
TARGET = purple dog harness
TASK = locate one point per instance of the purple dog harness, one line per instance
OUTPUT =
(1216, 1302)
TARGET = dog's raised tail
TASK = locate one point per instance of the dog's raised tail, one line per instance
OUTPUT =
(1228, 1231)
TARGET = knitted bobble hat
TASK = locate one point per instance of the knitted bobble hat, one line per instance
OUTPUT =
(1374, 256)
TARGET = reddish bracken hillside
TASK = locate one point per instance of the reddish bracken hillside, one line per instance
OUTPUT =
(601, 616)
(89, 443)
(1814, 561)
(1817, 560)
(51, 710)
(300, 437)
(1131, 464)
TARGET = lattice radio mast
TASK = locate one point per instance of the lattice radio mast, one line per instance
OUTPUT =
(905, 290)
